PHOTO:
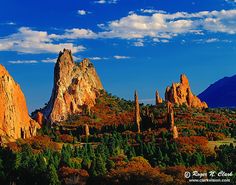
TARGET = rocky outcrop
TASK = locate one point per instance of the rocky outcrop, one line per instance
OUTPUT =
(180, 93)
(86, 128)
(15, 121)
(158, 98)
(39, 117)
(137, 112)
(75, 85)
(175, 132)
(170, 115)
(171, 120)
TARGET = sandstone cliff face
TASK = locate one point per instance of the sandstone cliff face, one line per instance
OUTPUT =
(14, 119)
(75, 85)
(180, 93)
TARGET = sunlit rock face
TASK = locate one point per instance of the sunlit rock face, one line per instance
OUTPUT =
(180, 93)
(15, 121)
(76, 85)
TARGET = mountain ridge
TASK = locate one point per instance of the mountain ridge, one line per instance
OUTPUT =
(221, 93)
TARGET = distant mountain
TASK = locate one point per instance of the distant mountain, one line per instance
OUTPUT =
(221, 94)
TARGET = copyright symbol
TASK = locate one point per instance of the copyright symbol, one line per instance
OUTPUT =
(187, 175)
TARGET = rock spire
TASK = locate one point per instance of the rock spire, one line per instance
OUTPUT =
(158, 98)
(137, 112)
(180, 93)
(76, 85)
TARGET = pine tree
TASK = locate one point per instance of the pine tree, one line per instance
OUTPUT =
(100, 165)
(52, 176)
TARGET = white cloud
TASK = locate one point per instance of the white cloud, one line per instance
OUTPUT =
(27, 40)
(23, 61)
(139, 43)
(98, 58)
(10, 23)
(83, 12)
(118, 57)
(157, 25)
(212, 40)
(49, 60)
(151, 11)
(165, 41)
(161, 24)
(106, 1)
(75, 33)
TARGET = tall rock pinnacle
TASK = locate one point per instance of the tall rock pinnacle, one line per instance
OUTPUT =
(180, 93)
(137, 111)
(15, 121)
(171, 120)
(170, 115)
(158, 98)
(75, 85)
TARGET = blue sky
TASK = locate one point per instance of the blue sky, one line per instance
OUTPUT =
(134, 44)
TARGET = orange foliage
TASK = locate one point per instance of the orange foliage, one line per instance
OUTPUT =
(66, 138)
(192, 143)
(138, 171)
(66, 171)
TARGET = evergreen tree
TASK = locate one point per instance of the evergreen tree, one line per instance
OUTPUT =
(52, 176)
(100, 165)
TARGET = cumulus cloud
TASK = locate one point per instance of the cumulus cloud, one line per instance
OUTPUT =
(119, 57)
(158, 25)
(165, 25)
(75, 33)
(139, 43)
(83, 12)
(27, 40)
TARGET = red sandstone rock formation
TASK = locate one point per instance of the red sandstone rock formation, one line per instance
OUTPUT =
(15, 121)
(180, 93)
(170, 115)
(171, 120)
(39, 118)
(75, 85)
(158, 98)
(175, 132)
(137, 112)
(87, 133)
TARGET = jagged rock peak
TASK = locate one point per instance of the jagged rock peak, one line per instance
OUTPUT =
(180, 93)
(184, 80)
(66, 54)
(14, 119)
(75, 85)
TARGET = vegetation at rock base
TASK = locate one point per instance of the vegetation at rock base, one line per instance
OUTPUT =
(114, 153)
